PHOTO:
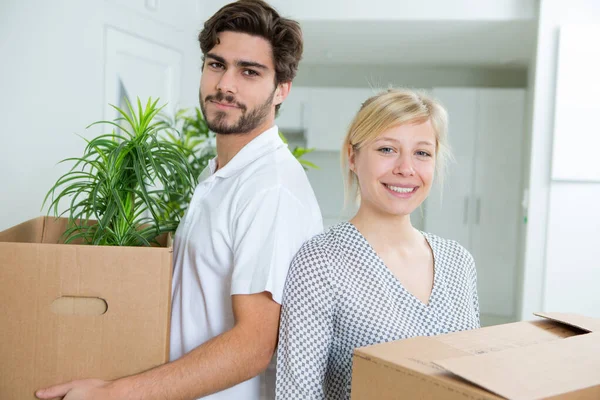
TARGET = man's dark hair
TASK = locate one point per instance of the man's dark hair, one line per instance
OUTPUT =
(257, 18)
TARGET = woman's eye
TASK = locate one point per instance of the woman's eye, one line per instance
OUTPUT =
(385, 150)
(423, 154)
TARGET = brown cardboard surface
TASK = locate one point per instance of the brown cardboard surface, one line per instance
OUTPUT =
(486, 363)
(578, 321)
(43, 344)
(26, 232)
(502, 337)
(534, 372)
(372, 380)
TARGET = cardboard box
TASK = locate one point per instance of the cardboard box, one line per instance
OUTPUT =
(78, 311)
(554, 358)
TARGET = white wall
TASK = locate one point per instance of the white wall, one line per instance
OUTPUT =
(561, 256)
(53, 83)
(51, 88)
(398, 9)
(572, 249)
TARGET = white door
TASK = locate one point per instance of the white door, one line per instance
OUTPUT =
(497, 192)
(137, 67)
(448, 208)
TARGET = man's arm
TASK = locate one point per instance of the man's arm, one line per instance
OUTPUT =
(224, 361)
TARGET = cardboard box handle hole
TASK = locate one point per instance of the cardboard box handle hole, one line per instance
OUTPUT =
(77, 305)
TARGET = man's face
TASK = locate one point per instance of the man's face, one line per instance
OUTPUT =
(237, 89)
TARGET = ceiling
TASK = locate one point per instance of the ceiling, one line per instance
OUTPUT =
(508, 44)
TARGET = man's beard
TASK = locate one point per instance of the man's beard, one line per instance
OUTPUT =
(247, 122)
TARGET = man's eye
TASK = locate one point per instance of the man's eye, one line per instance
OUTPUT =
(250, 72)
(216, 65)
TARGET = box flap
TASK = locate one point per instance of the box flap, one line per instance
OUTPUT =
(533, 372)
(588, 324)
(419, 352)
(54, 229)
(27, 232)
(415, 353)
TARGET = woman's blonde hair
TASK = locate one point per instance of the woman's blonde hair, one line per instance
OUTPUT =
(389, 109)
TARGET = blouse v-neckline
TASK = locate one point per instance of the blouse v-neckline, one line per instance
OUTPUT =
(391, 275)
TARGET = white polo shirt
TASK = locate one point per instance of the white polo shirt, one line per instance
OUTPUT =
(244, 225)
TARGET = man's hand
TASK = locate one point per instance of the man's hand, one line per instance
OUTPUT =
(87, 389)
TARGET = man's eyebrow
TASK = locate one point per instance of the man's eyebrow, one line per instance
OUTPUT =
(238, 63)
(216, 58)
(246, 64)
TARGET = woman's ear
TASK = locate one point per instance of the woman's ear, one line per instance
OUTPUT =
(351, 158)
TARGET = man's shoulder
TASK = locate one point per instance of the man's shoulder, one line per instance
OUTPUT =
(276, 172)
(275, 163)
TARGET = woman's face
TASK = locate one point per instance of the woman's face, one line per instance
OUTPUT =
(395, 171)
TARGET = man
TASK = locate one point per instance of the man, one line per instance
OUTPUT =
(249, 215)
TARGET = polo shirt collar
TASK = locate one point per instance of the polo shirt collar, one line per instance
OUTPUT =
(264, 143)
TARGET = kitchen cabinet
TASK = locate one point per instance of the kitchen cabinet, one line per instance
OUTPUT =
(480, 202)
(292, 113)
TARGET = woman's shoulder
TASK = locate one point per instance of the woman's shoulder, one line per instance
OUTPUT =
(448, 248)
(326, 241)
(324, 246)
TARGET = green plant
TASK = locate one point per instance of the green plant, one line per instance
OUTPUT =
(189, 130)
(191, 134)
(117, 188)
(300, 152)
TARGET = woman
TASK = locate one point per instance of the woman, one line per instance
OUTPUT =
(375, 278)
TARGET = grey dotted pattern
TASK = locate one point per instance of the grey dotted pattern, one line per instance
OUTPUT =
(339, 295)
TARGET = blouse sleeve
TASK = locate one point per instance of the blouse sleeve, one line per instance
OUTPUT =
(306, 326)
(473, 283)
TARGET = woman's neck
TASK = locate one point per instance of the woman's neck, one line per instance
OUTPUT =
(385, 231)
